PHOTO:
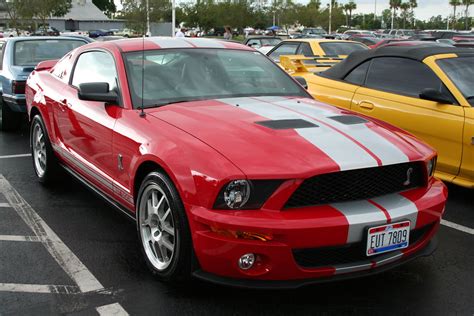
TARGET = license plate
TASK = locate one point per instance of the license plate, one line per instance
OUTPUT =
(387, 238)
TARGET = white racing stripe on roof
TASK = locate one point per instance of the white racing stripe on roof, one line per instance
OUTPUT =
(205, 43)
(359, 215)
(332, 143)
(399, 208)
(165, 42)
(381, 147)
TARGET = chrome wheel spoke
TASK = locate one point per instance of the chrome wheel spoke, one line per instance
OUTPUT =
(167, 244)
(167, 229)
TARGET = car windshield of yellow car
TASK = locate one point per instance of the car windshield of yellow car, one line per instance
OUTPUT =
(461, 72)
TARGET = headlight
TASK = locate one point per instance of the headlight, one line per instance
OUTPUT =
(237, 193)
(245, 194)
(430, 167)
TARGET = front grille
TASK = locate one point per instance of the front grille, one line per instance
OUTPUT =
(332, 256)
(359, 184)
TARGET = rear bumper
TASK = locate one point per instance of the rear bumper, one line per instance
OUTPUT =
(17, 103)
(293, 284)
(308, 228)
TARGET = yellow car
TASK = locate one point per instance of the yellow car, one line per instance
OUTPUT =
(315, 47)
(428, 91)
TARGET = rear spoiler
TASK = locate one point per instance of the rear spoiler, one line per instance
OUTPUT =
(46, 65)
(300, 63)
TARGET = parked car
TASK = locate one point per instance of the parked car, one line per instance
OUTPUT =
(405, 34)
(127, 33)
(99, 33)
(428, 91)
(232, 172)
(262, 43)
(368, 41)
(109, 38)
(319, 31)
(49, 31)
(314, 47)
(360, 33)
(417, 43)
(20, 55)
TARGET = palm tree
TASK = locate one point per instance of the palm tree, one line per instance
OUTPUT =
(467, 3)
(394, 5)
(413, 5)
(455, 4)
(351, 6)
(346, 13)
(405, 6)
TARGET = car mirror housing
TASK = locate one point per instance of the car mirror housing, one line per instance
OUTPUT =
(97, 91)
(436, 96)
(302, 82)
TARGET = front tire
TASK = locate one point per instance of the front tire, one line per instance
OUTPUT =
(9, 120)
(45, 162)
(163, 229)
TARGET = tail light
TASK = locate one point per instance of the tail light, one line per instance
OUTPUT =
(18, 87)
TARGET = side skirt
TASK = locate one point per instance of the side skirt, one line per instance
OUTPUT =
(101, 194)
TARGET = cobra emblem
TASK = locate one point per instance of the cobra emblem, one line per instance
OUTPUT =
(408, 180)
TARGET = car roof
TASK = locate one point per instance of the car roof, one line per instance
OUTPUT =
(154, 43)
(340, 70)
(32, 38)
(318, 40)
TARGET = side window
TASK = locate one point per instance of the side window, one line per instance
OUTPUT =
(100, 64)
(2, 46)
(254, 43)
(402, 76)
(284, 49)
(305, 50)
(357, 75)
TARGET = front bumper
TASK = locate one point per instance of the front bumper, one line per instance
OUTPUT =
(307, 228)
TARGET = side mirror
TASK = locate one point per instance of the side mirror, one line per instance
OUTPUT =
(97, 91)
(302, 82)
(436, 96)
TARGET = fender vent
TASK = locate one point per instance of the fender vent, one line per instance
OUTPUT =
(287, 124)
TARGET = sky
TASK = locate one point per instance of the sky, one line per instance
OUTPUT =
(425, 10)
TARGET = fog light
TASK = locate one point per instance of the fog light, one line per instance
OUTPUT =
(246, 261)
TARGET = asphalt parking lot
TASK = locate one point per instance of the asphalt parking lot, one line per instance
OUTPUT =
(65, 251)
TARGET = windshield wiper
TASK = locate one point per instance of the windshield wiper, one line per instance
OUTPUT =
(157, 105)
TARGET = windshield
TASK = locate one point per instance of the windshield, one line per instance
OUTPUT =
(177, 75)
(461, 72)
(341, 48)
(270, 41)
(30, 53)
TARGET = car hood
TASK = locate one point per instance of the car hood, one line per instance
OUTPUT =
(269, 137)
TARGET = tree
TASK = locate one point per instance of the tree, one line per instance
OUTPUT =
(44, 9)
(413, 5)
(454, 4)
(106, 6)
(18, 10)
(467, 3)
(350, 6)
(394, 5)
(405, 6)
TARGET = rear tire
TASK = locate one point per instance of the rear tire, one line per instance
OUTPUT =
(45, 163)
(163, 229)
(9, 120)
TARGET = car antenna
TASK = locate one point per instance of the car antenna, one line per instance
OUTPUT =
(142, 111)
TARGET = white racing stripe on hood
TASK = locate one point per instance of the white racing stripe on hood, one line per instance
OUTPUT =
(360, 215)
(399, 208)
(342, 150)
(386, 151)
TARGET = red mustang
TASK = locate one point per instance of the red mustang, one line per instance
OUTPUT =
(233, 173)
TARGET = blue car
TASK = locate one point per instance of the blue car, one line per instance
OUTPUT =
(99, 33)
(19, 56)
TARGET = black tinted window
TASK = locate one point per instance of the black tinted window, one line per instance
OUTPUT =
(284, 49)
(357, 75)
(305, 49)
(402, 76)
(341, 48)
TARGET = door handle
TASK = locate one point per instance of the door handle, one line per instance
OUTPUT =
(366, 105)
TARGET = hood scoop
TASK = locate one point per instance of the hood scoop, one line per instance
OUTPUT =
(348, 119)
(286, 124)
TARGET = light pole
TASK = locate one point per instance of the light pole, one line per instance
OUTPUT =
(148, 33)
(173, 17)
(330, 16)
(375, 11)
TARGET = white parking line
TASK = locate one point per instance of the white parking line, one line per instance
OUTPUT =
(39, 288)
(4, 205)
(462, 228)
(112, 309)
(15, 156)
(19, 238)
(58, 250)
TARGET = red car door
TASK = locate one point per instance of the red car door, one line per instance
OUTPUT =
(85, 128)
